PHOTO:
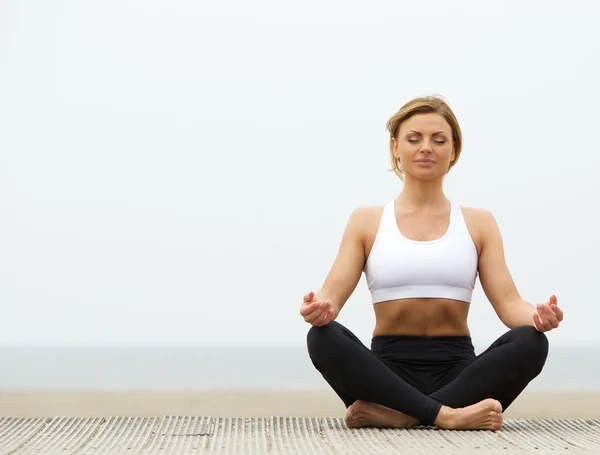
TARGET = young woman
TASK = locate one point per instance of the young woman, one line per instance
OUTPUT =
(421, 254)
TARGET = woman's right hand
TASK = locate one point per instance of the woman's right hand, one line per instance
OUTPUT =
(316, 312)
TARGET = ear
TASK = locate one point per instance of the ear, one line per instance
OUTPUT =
(393, 146)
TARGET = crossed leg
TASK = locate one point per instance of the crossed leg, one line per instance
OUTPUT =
(473, 399)
(502, 371)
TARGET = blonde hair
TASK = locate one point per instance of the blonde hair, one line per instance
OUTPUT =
(424, 105)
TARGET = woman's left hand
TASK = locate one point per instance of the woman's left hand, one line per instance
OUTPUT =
(548, 315)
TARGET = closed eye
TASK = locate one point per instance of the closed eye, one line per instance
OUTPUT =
(438, 141)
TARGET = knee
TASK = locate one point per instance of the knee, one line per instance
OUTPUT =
(319, 338)
(533, 345)
(316, 336)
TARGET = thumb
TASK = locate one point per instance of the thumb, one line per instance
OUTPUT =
(308, 297)
(553, 300)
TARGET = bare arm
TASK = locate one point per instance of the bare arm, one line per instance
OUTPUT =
(495, 278)
(500, 289)
(347, 268)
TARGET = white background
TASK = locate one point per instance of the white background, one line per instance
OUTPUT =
(181, 172)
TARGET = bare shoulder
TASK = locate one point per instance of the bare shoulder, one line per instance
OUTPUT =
(367, 216)
(478, 215)
(367, 219)
(368, 212)
(480, 223)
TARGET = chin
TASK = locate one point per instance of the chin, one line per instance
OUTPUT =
(426, 175)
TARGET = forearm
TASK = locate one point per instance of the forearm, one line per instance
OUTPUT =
(518, 313)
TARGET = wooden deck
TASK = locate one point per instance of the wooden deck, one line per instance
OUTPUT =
(283, 435)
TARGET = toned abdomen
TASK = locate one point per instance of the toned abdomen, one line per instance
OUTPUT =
(421, 317)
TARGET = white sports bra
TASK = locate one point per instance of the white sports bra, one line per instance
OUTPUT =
(400, 268)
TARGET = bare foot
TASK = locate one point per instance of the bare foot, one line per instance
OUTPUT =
(366, 414)
(485, 415)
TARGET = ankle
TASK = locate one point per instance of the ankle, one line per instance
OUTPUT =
(446, 417)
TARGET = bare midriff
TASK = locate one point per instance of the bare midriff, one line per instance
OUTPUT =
(421, 317)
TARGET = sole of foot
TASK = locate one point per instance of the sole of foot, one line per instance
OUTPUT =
(365, 414)
(485, 415)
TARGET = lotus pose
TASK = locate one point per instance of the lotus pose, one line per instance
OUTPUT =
(421, 254)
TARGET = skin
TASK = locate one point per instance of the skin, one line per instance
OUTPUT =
(422, 213)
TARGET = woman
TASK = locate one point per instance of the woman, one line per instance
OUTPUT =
(421, 254)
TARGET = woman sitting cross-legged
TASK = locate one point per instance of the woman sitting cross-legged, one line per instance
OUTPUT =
(421, 254)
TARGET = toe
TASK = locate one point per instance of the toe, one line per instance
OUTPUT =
(497, 407)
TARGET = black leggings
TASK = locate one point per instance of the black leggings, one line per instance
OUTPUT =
(416, 375)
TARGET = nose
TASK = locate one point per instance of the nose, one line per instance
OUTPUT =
(426, 147)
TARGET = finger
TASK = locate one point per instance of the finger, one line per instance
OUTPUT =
(550, 316)
(553, 301)
(543, 318)
(326, 317)
(313, 316)
(537, 323)
(317, 313)
(558, 312)
(308, 297)
(321, 319)
(308, 308)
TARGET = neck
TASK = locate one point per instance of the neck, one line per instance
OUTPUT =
(419, 194)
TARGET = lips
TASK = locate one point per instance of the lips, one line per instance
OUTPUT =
(425, 161)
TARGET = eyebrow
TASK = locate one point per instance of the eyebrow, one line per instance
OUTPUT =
(439, 132)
